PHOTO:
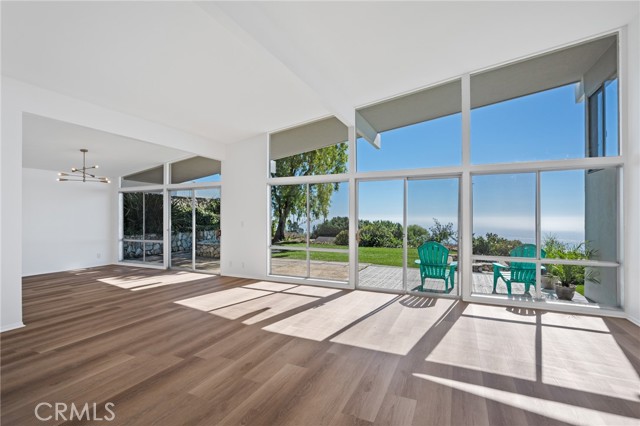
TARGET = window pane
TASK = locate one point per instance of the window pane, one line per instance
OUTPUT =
(548, 125)
(318, 148)
(181, 229)
(534, 110)
(132, 215)
(579, 214)
(329, 266)
(132, 251)
(583, 284)
(419, 130)
(289, 215)
(515, 279)
(195, 170)
(503, 212)
(207, 205)
(153, 252)
(380, 231)
(289, 263)
(611, 118)
(432, 215)
(329, 212)
(153, 217)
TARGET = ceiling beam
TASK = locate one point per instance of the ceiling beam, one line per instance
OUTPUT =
(366, 130)
(252, 25)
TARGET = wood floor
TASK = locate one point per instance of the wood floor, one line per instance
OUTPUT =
(177, 348)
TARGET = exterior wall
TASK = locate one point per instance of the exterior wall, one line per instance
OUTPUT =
(601, 214)
(631, 185)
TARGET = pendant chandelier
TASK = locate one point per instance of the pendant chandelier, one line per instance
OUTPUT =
(82, 174)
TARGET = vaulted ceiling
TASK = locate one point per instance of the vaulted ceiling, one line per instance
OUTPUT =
(230, 70)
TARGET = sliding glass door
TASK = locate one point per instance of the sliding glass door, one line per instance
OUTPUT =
(398, 219)
(195, 229)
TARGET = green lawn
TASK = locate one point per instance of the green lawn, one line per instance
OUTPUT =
(580, 289)
(374, 255)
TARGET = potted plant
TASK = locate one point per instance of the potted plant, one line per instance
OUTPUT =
(569, 276)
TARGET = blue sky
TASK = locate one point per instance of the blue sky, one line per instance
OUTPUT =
(543, 126)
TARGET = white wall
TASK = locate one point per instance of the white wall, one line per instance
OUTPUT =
(632, 173)
(19, 98)
(64, 225)
(244, 209)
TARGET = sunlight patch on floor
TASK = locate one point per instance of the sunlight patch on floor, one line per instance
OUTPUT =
(268, 306)
(589, 362)
(568, 413)
(306, 290)
(500, 347)
(270, 286)
(397, 328)
(220, 299)
(128, 282)
(325, 320)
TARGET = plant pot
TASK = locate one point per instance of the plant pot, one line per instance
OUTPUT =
(548, 282)
(565, 293)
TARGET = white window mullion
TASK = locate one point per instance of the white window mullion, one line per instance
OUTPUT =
(465, 239)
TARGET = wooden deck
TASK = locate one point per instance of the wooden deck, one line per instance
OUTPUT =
(179, 348)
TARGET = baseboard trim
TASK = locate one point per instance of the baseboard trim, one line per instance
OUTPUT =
(11, 326)
(633, 320)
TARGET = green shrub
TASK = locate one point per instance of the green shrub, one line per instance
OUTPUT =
(342, 239)
(378, 235)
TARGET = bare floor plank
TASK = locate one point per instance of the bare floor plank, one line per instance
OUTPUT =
(177, 348)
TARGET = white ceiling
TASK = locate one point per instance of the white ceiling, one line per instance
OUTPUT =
(55, 145)
(228, 71)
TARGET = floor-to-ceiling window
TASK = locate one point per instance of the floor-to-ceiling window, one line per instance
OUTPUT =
(191, 196)
(309, 229)
(513, 173)
(545, 177)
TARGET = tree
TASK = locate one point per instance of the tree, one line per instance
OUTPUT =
(289, 202)
(416, 235)
(442, 233)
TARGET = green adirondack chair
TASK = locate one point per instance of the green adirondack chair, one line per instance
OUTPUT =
(434, 263)
(517, 272)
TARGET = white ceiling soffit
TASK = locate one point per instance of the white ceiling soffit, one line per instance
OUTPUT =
(194, 168)
(414, 108)
(55, 145)
(168, 62)
(535, 75)
(310, 137)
